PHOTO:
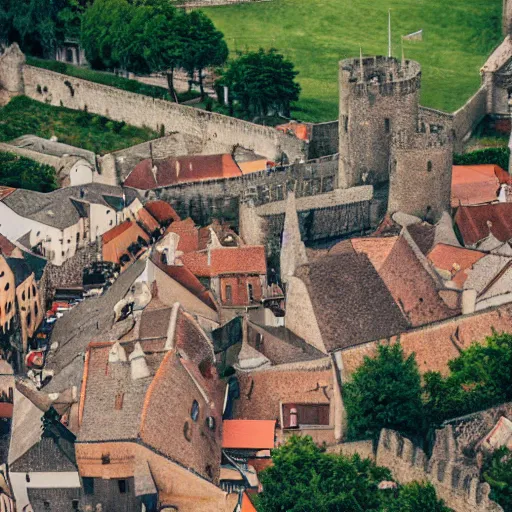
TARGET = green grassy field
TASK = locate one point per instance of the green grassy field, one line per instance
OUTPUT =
(316, 34)
(23, 116)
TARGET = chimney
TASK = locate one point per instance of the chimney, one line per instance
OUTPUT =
(138, 363)
(117, 353)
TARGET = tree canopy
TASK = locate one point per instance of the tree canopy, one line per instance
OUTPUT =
(306, 479)
(385, 392)
(20, 172)
(261, 82)
(497, 473)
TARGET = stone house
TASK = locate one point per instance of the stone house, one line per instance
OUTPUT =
(58, 223)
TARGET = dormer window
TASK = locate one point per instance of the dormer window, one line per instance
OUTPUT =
(194, 411)
(210, 423)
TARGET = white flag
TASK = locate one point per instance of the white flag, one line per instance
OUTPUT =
(415, 36)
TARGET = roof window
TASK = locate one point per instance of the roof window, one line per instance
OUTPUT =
(194, 411)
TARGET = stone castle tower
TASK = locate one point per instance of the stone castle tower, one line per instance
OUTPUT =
(383, 140)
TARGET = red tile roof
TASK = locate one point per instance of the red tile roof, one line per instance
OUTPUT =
(163, 212)
(476, 184)
(227, 260)
(5, 191)
(472, 222)
(183, 169)
(248, 434)
(6, 246)
(188, 232)
(455, 260)
(247, 505)
(118, 239)
(147, 220)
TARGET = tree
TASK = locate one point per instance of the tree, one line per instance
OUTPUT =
(497, 472)
(479, 378)
(385, 392)
(262, 81)
(20, 172)
(306, 479)
(204, 46)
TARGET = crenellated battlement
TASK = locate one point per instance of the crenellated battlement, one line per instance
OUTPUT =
(420, 140)
(456, 479)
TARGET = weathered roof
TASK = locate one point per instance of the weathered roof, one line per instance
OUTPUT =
(20, 269)
(6, 246)
(476, 184)
(412, 287)
(476, 222)
(280, 345)
(454, 263)
(249, 259)
(248, 434)
(154, 323)
(188, 232)
(58, 208)
(149, 223)
(376, 248)
(117, 241)
(352, 304)
(162, 211)
(423, 235)
(487, 269)
(183, 169)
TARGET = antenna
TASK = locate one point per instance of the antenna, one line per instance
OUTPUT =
(389, 32)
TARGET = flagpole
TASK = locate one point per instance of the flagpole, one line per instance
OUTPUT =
(389, 32)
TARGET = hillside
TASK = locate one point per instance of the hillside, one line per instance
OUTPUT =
(315, 34)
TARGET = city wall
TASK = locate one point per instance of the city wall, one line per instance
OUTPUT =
(216, 133)
(455, 479)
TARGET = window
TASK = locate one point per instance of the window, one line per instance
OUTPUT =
(62, 253)
(387, 125)
(46, 505)
(88, 485)
(186, 431)
(36, 309)
(29, 318)
(194, 410)
(228, 293)
(7, 286)
(111, 222)
(123, 486)
(77, 238)
(23, 295)
(27, 478)
(210, 423)
(345, 123)
(105, 458)
(34, 293)
(74, 504)
(429, 166)
(250, 292)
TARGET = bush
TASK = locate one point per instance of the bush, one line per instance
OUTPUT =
(497, 473)
(19, 172)
(495, 156)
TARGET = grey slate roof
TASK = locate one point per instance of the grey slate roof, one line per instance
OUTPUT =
(58, 208)
(90, 320)
(351, 303)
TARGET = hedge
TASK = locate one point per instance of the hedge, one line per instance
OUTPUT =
(496, 156)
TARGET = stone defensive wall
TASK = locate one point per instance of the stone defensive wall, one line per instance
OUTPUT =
(455, 479)
(324, 139)
(215, 132)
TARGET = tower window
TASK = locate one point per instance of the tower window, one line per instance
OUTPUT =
(123, 486)
(429, 166)
(387, 125)
(345, 123)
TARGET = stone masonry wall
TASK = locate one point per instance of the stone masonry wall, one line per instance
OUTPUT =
(11, 69)
(468, 116)
(216, 132)
(324, 139)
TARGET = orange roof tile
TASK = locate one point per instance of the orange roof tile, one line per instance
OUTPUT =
(188, 232)
(162, 211)
(456, 260)
(377, 249)
(476, 184)
(247, 505)
(5, 191)
(248, 434)
(117, 244)
(253, 166)
(147, 220)
(249, 259)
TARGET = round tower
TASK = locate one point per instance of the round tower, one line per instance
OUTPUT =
(421, 173)
(378, 95)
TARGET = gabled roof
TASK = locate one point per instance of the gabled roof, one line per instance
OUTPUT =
(249, 259)
(454, 262)
(248, 434)
(188, 233)
(163, 212)
(150, 174)
(20, 269)
(6, 246)
(149, 223)
(117, 241)
(476, 222)
(376, 248)
(476, 184)
(352, 304)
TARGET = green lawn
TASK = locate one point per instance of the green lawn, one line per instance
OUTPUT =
(23, 116)
(316, 34)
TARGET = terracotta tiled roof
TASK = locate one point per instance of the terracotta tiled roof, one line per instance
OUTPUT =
(5, 191)
(188, 232)
(376, 248)
(300, 130)
(184, 169)
(352, 304)
(163, 212)
(249, 434)
(412, 287)
(227, 260)
(476, 184)
(117, 243)
(423, 235)
(456, 261)
(253, 166)
(247, 505)
(6, 246)
(473, 222)
(147, 220)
